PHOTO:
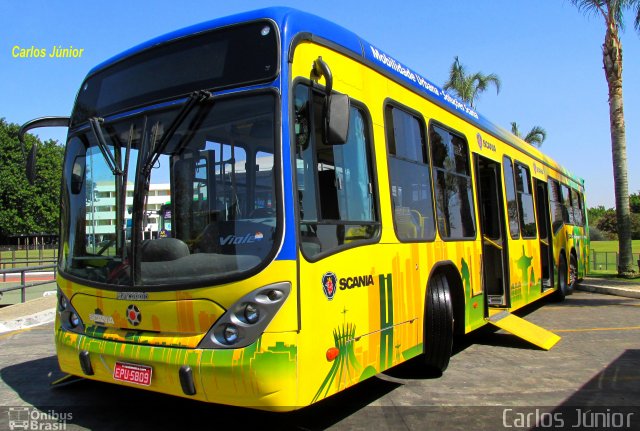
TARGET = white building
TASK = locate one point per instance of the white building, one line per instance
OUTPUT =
(101, 211)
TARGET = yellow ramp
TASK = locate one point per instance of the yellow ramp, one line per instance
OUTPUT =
(525, 330)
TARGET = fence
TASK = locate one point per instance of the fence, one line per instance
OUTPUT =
(23, 278)
(20, 258)
(607, 260)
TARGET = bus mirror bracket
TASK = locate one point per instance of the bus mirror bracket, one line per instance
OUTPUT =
(34, 124)
(336, 106)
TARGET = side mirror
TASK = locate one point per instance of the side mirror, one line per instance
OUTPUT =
(337, 119)
(77, 175)
(34, 124)
(336, 106)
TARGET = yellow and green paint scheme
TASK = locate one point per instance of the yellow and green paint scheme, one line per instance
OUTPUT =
(315, 346)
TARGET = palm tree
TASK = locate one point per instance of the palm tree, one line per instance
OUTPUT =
(612, 11)
(469, 87)
(535, 137)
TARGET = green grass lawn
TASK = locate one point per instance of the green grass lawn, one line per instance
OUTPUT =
(603, 246)
(603, 263)
(7, 258)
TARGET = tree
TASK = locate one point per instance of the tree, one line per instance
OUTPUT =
(612, 11)
(594, 214)
(634, 202)
(28, 208)
(608, 223)
(469, 87)
(535, 137)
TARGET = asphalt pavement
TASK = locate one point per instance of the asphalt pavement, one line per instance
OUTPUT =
(589, 380)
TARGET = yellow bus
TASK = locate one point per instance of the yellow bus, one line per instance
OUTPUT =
(333, 214)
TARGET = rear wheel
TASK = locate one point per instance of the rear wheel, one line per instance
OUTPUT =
(563, 289)
(573, 272)
(438, 325)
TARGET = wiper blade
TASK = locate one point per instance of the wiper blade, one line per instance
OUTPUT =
(102, 144)
(195, 98)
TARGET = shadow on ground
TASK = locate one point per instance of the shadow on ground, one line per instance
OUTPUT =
(96, 405)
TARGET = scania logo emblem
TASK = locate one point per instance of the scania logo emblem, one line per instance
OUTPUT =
(329, 284)
(133, 315)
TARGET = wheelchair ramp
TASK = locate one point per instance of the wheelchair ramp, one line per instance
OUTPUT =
(525, 330)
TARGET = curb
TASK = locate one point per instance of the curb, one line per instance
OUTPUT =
(28, 314)
(29, 321)
(607, 290)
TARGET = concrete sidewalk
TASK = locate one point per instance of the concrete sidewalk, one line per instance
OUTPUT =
(608, 286)
(31, 313)
(42, 310)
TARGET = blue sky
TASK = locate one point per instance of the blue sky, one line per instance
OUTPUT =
(547, 54)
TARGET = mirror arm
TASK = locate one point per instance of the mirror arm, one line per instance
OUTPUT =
(40, 122)
(30, 161)
(320, 69)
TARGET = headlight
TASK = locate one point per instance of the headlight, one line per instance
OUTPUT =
(74, 319)
(230, 334)
(246, 320)
(63, 302)
(68, 317)
(251, 313)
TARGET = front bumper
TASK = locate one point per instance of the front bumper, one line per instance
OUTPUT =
(262, 375)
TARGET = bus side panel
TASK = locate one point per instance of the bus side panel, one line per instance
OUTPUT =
(362, 313)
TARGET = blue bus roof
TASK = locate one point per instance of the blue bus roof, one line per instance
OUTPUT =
(293, 22)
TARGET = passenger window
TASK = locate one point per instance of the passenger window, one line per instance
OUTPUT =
(452, 182)
(557, 207)
(337, 206)
(409, 176)
(567, 211)
(581, 205)
(512, 204)
(526, 210)
(576, 208)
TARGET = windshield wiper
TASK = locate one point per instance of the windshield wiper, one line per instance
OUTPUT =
(96, 127)
(195, 99)
(143, 176)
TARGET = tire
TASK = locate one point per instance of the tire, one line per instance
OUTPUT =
(573, 273)
(438, 325)
(563, 288)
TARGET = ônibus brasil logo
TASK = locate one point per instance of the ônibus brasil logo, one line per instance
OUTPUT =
(329, 284)
(30, 418)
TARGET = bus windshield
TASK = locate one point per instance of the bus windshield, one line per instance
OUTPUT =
(215, 177)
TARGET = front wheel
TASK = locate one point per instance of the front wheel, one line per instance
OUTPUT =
(438, 325)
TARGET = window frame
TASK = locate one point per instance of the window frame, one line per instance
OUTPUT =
(426, 163)
(555, 200)
(515, 197)
(567, 204)
(517, 163)
(576, 207)
(435, 123)
(315, 89)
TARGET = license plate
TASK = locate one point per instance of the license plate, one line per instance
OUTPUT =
(132, 373)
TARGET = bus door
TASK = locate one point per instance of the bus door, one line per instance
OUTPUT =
(544, 227)
(494, 244)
